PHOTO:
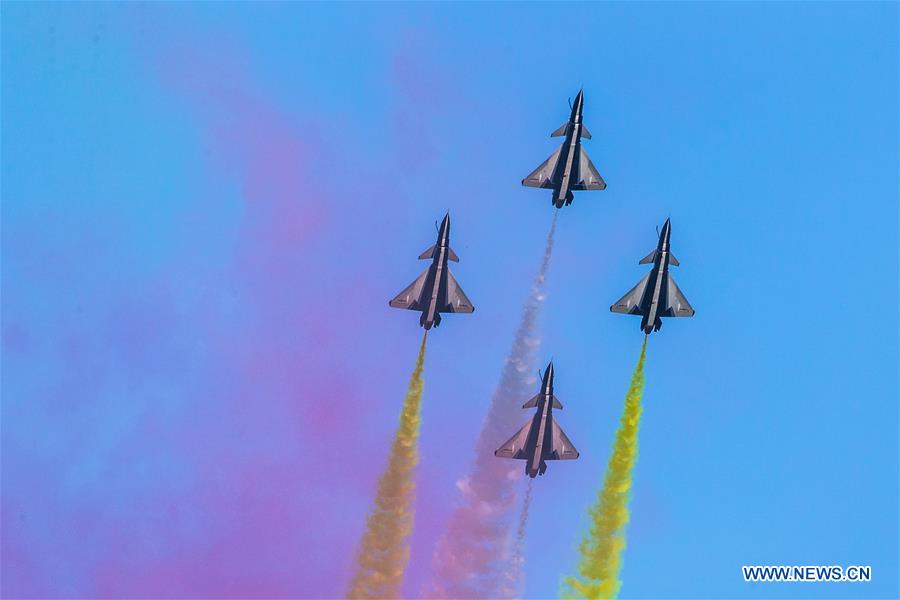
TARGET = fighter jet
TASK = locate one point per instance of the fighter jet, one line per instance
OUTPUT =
(569, 168)
(435, 291)
(656, 295)
(541, 439)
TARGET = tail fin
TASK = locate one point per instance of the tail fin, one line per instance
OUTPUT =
(563, 130)
(652, 258)
(534, 402)
(429, 253)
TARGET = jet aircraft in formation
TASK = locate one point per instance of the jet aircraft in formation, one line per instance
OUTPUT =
(435, 291)
(656, 295)
(541, 439)
(569, 168)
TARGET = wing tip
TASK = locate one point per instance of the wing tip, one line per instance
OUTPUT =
(400, 304)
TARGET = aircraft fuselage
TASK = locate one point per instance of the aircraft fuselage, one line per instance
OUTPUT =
(653, 296)
(562, 193)
(437, 278)
(540, 441)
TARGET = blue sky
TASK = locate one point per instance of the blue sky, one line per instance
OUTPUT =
(140, 202)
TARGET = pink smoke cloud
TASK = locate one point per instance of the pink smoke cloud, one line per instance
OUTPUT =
(263, 437)
(217, 404)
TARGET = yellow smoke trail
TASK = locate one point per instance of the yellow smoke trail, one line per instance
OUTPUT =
(601, 550)
(383, 550)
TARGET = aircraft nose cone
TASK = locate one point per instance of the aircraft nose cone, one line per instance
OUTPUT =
(445, 226)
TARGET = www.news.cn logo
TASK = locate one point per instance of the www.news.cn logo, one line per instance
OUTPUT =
(806, 573)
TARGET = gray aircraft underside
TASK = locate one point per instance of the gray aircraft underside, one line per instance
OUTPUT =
(656, 295)
(435, 291)
(541, 439)
(569, 168)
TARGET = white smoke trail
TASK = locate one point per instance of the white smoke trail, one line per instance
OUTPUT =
(513, 584)
(473, 554)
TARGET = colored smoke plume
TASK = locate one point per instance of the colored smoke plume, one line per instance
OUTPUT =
(601, 550)
(514, 584)
(472, 556)
(384, 550)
